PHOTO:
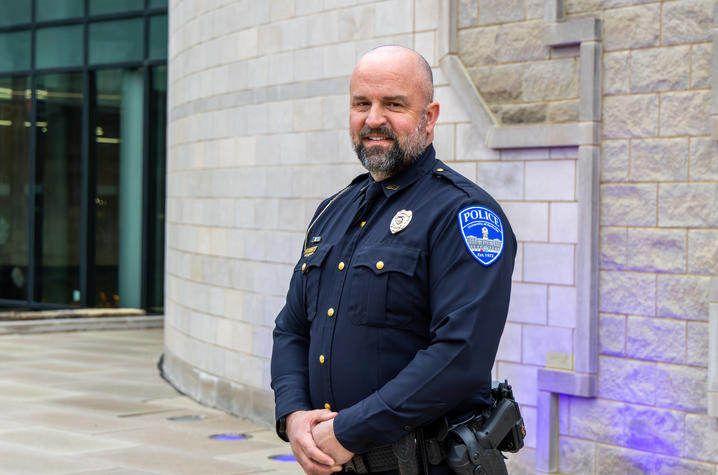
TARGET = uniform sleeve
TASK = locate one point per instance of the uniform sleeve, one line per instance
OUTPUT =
(469, 303)
(290, 367)
(290, 380)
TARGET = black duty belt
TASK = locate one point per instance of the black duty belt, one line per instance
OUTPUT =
(406, 455)
(381, 459)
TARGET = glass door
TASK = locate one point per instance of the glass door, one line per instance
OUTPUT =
(58, 175)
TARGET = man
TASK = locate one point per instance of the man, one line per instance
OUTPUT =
(395, 310)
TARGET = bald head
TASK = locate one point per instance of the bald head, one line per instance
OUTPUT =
(406, 59)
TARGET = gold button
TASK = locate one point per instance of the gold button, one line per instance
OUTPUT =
(361, 225)
(330, 312)
(321, 359)
(304, 266)
(341, 266)
(380, 265)
(328, 406)
(439, 169)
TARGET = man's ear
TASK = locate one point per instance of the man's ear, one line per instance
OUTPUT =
(432, 115)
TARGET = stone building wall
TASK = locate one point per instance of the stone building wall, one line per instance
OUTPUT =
(258, 135)
(658, 216)
(524, 81)
(659, 242)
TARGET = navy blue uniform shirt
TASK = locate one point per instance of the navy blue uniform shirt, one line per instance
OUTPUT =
(392, 330)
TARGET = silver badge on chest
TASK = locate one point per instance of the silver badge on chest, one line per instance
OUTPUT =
(400, 221)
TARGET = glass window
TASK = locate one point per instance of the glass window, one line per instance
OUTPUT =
(15, 140)
(158, 37)
(127, 107)
(15, 51)
(118, 218)
(100, 7)
(57, 190)
(15, 12)
(58, 46)
(116, 41)
(59, 9)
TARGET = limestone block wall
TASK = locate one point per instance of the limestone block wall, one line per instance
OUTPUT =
(658, 247)
(658, 244)
(658, 195)
(607, 343)
(524, 82)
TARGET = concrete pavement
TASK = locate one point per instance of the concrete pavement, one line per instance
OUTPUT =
(93, 403)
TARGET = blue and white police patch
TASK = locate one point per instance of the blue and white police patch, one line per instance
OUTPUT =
(483, 233)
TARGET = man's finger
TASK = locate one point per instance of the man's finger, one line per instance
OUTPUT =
(324, 416)
(309, 447)
(312, 467)
(318, 456)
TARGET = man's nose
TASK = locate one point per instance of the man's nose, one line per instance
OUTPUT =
(376, 117)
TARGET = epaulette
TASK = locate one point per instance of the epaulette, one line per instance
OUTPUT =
(441, 170)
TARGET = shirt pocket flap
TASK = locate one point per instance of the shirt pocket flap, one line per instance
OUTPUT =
(315, 259)
(382, 259)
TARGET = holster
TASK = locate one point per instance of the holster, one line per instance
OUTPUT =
(466, 457)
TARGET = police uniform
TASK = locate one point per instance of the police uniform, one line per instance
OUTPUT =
(395, 309)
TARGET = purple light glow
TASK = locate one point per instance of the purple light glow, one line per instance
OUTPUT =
(283, 458)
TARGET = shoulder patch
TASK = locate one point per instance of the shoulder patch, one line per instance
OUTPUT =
(482, 232)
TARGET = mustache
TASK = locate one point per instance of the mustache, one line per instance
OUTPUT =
(383, 130)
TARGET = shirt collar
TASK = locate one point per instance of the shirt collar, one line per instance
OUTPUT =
(410, 174)
(403, 179)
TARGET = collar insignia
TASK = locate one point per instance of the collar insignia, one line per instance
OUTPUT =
(400, 221)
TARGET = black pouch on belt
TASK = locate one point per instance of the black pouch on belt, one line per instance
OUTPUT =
(406, 455)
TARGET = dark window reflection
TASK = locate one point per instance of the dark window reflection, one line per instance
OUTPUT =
(14, 150)
(57, 189)
(156, 199)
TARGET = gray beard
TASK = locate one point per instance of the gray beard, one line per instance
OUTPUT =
(379, 163)
(386, 164)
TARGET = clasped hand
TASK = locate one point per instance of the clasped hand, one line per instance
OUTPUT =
(311, 435)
